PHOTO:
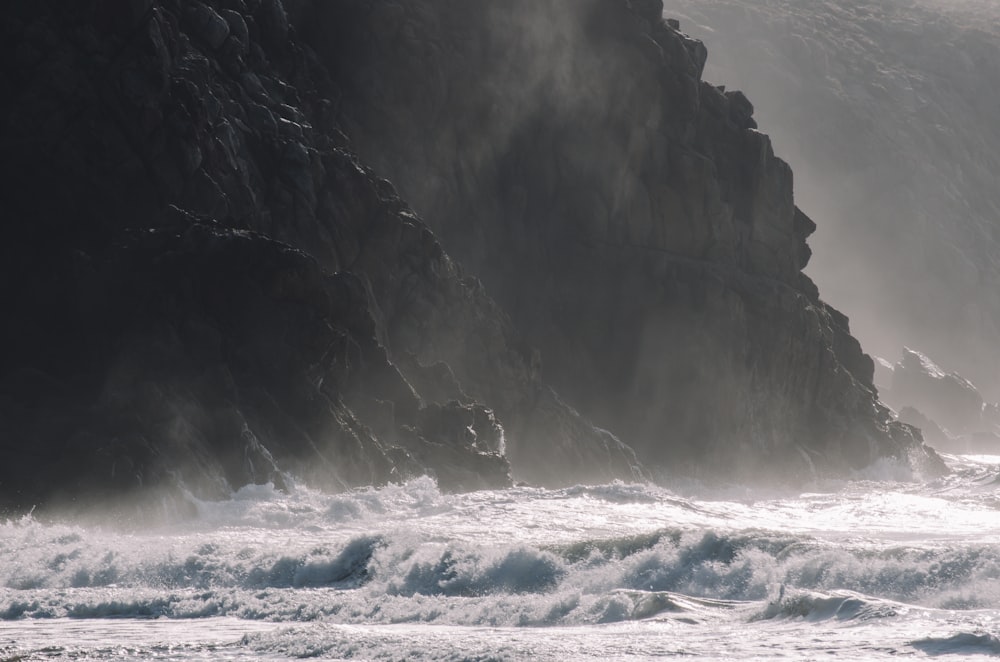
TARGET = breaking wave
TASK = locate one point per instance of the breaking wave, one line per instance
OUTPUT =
(410, 554)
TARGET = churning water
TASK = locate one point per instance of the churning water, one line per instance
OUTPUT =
(884, 566)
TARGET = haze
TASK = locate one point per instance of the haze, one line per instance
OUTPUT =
(887, 113)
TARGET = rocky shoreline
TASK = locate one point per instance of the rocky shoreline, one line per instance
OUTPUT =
(207, 287)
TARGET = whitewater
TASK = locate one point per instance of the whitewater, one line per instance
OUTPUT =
(882, 566)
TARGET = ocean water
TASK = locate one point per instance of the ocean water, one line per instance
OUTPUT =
(885, 566)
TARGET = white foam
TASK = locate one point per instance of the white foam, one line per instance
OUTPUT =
(591, 557)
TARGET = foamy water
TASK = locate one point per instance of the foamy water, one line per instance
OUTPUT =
(882, 566)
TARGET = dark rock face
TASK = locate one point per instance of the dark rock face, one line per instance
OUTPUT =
(887, 111)
(628, 216)
(227, 359)
(205, 288)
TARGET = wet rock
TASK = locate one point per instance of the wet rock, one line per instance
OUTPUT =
(467, 451)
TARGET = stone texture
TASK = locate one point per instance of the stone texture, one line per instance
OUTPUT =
(628, 215)
(160, 156)
(206, 288)
(887, 112)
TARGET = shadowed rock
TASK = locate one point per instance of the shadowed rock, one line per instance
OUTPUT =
(628, 216)
(207, 288)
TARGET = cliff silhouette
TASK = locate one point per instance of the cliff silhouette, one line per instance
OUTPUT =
(359, 241)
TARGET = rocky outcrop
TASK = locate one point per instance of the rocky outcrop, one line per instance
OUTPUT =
(887, 111)
(948, 408)
(205, 288)
(627, 214)
(948, 398)
(226, 359)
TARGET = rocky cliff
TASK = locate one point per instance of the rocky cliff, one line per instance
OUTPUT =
(626, 213)
(887, 111)
(206, 288)
(948, 409)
